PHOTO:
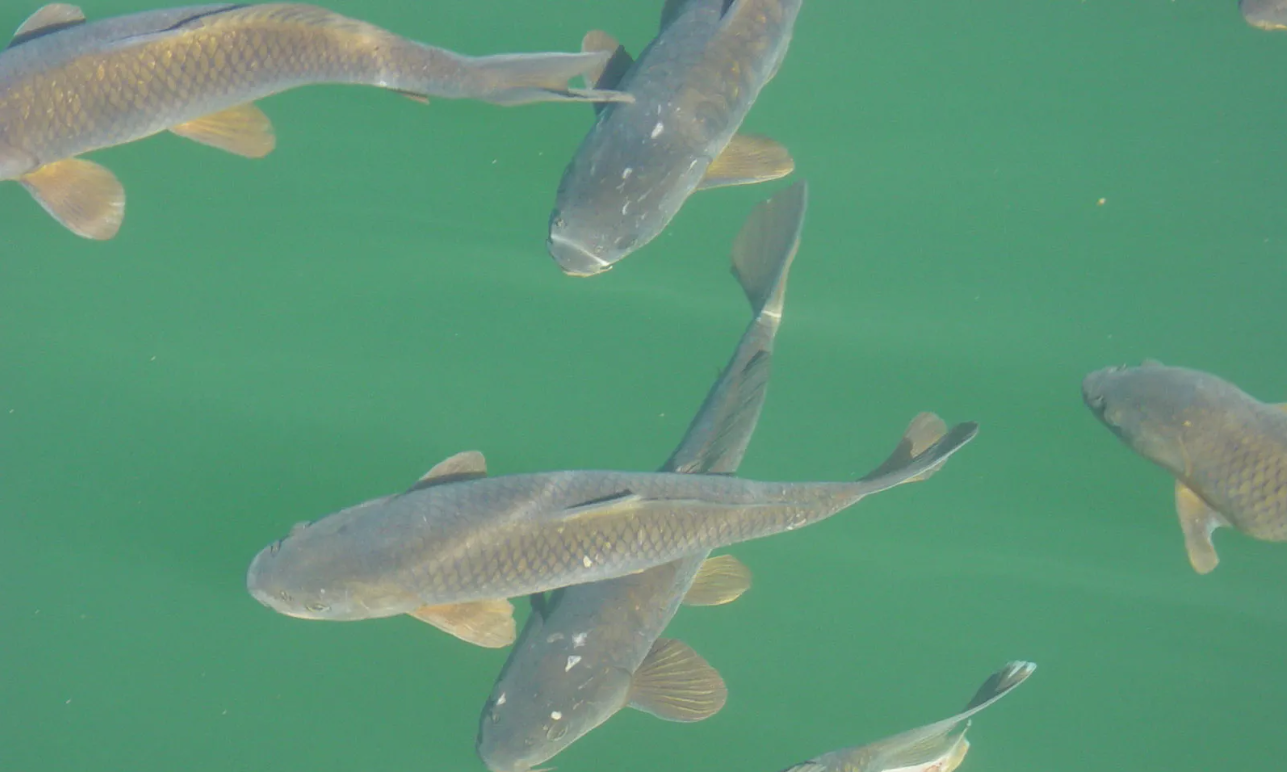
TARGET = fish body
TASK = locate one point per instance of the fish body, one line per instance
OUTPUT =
(592, 649)
(937, 747)
(691, 87)
(1265, 14)
(69, 87)
(1226, 449)
(485, 538)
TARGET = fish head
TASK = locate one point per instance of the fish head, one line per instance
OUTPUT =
(615, 197)
(1149, 407)
(1265, 14)
(540, 707)
(307, 574)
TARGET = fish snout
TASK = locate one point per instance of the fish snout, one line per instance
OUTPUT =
(575, 258)
(1094, 388)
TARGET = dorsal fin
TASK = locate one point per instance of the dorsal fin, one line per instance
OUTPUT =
(47, 20)
(469, 465)
(609, 75)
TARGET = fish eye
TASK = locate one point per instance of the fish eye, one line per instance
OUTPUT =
(317, 607)
(558, 222)
(557, 730)
(274, 547)
(284, 595)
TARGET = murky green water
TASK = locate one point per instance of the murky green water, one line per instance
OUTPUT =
(1005, 195)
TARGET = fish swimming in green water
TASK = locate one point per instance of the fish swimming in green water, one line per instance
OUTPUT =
(1226, 449)
(592, 649)
(692, 87)
(69, 87)
(1265, 14)
(458, 543)
(937, 747)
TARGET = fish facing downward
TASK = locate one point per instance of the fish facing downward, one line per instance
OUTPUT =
(1265, 14)
(937, 747)
(1226, 450)
(592, 649)
(461, 537)
(692, 87)
(69, 87)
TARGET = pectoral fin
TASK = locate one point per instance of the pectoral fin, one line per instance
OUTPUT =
(47, 20)
(607, 75)
(617, 503)
(83, 196)
(1197, 520)
(487, 623)
(924, 430)
(676, 684)
(469, 465)
(748, 159)
(720, 580)
(243, 130)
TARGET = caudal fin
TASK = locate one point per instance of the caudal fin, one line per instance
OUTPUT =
(515, 79)
(766, 245)
(905, 465)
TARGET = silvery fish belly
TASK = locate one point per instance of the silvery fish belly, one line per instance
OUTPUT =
(1226, 449)
(692, 88)
(937, 747)
(592, 649)
(68, 87)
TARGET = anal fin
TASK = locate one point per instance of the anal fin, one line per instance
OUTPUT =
(720, 580)
(674, 683)
(486, 623)
(83, 196)
(746, 160)
(243, 130)
(1197, 520)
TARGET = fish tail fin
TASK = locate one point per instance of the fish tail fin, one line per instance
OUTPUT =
(515, 79)
(924, 448)
(766, 245)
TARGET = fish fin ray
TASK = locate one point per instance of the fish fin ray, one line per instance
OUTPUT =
(486, 623)
(1197, 520)
(47, 20)
(924, 430)
(746, 160)
(607, 75)
(467, 465)
(674, 683)
(85, 197)
(720, 580)
(716, 442)
(243, 130)
(901, 467)
(766, 245)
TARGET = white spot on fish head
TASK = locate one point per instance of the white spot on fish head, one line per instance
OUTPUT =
(625, 174)
(586, 560)
(501, 699)
(572, 660)
(625, 207)
(658, 129)
(578, 640)
(556, 715)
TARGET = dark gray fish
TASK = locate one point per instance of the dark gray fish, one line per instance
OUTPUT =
(460, 537)
(592, 649)
(69, 87)
(1226, 449)
(692, 87)
(937, 747)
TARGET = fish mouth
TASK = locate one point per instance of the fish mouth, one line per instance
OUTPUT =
(574, 258)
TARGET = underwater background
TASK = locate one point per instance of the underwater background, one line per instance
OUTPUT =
(1004, 196)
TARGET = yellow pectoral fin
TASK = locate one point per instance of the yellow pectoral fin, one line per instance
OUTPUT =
(83, 196)
(243, 130)
(1197, 520)
(720, 580)
(676, 684)
(486, 623)
(748, 159)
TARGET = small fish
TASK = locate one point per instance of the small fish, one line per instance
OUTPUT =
(459, 537)
(937, 747)
(1227, 450)
(68, 87)
(592, 649)
(1265, 14)
(692, 87)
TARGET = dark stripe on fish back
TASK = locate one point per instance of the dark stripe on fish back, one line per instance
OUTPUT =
(204, 14)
